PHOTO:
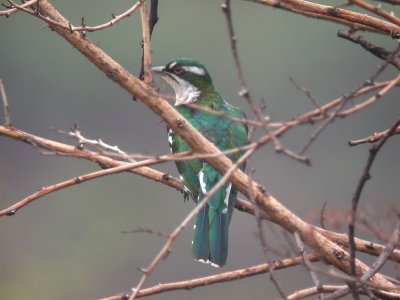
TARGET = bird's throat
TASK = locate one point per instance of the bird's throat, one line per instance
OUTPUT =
(185, 92)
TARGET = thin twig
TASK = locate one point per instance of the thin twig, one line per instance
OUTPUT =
(308, 265)
(322, 215)
(376, 136)
(13, 10)
(146, 230)
(260, 232)
(307, 92)
(153, 19)
(377, 10)
(308, 292)
(374, 49)
(70, 27)
(6, 107)
(393, 83)
(147, 75)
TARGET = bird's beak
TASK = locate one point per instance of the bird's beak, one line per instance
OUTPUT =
(158, 70)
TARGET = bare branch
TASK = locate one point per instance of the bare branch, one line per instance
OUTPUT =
(335, 14)
(218, 278)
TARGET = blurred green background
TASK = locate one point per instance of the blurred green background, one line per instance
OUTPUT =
(68, 245)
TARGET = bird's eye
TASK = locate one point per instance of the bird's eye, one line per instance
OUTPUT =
(178, 70)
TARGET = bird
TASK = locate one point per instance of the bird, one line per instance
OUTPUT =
(200, 103)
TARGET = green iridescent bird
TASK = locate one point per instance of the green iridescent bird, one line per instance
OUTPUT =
(192, 84)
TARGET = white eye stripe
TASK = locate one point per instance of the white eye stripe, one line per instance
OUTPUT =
(194, 70)
(172, 65)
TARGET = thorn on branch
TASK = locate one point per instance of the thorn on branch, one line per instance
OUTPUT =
(37, 8)
(142, 270)
(11, 213)
(333, 11)
(339, 254)
(180, 123)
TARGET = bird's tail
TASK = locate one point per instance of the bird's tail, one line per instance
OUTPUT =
(210, 236)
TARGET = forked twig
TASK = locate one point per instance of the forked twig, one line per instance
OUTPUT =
(115, 19)
(345, 98)
(376, 136)
(308, 265)
(357, 194)
(13, 10)
(245, 93)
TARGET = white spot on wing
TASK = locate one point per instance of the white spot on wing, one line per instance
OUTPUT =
(226, 200)
(194, 226)
(202, 183)
(170, 136)
(215, 265)
(209, 262)
(195, 70)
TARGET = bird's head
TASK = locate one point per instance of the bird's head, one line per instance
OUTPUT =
(188, 78)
